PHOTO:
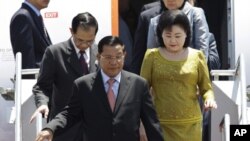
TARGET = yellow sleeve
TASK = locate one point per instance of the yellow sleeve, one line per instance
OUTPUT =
(147, 66)
(204, 82)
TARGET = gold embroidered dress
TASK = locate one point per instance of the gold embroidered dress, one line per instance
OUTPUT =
(174, 85)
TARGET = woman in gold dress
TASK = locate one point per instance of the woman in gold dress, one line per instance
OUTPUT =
(175, 72)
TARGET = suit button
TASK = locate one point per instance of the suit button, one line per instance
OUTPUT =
(114, 134)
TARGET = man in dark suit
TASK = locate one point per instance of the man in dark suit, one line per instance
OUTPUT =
(141, 34)
(111, 111)
(61, 65)
(28, 34)
(213, 57)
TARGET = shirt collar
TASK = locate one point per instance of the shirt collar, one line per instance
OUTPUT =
(33, 8)
(87, 52)
(106, 78)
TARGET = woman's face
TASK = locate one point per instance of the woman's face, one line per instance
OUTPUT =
(174, 38)
(173, 4)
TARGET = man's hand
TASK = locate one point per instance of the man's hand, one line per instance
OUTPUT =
(143, 136)
(43, 109)
(44, 134)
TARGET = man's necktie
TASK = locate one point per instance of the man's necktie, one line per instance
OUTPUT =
(83, 62)
(43, 26)
(111, 95)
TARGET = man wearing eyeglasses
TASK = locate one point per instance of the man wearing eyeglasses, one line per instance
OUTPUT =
(110, 102)
(61, 65)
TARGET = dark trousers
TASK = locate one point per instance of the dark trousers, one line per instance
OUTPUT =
(206, 122)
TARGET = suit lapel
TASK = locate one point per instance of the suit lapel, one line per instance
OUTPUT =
(99, 91)
(40, 22)
(37, 23)
(187, 7)
(123, 88)
(74, 61)
(72, 58)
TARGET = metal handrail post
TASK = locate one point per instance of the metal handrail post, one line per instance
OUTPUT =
(39, 124)
(227, 127)
(18, 125)
(243, 90)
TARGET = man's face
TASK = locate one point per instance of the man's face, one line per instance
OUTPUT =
(40, 4)
(112, 59)
(84, 38)
(173, 4)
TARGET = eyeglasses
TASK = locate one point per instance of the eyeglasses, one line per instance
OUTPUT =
(110, 58)
(81, 42)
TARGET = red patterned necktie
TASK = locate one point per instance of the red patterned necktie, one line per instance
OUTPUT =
(111, 95)
(83, 62)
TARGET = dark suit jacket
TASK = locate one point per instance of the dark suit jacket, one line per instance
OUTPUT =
(27, 36)
(213, 57)
(60, 67)
(141, 34)
(150, 5)
(90, 103)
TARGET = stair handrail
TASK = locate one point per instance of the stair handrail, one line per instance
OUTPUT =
(239, 72)
(18, 97)
(242, 75)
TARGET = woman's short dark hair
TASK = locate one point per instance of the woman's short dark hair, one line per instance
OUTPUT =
(110, 41)
(84, 20)
(170, 18)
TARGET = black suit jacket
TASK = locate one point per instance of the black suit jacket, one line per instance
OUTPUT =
(213, 57)
(60, 67)
(90, 103)
(27, 36)
(150, 5)
(141, 34)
